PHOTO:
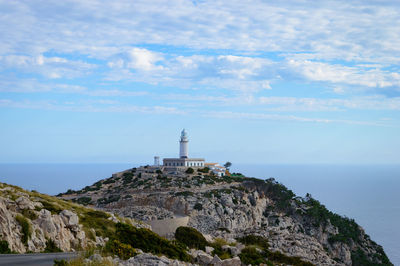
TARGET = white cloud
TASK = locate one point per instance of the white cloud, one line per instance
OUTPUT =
(328, 30)
(50, 67)
(90, 106)
(288, 118)
(143, 59)
(339, 74)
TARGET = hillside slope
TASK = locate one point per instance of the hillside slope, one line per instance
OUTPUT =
(231, 207)
(35, 222)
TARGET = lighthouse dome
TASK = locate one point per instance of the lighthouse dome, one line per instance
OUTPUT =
(184, 134)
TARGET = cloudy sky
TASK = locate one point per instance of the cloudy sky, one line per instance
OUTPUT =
(252, 81)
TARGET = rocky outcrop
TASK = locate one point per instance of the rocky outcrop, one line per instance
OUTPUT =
(63, 228)
(232, 207)
(28, 226)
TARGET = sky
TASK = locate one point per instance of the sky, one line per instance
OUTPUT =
(264, 82)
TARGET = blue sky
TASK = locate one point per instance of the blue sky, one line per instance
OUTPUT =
(251, 81)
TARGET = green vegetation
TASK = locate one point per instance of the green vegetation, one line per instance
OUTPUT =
(184, 193)
(250, 255)
(98, 221)
(149, 241)
(359, 258)
(190, 237)
(217, 245)
(26, 228)
(227, 165)
(61, 262)
(4, 249)
(190, 170)
(203, 170)
(110, 199)
(109, 181)
(53, 207)
(127, 178)
(348, 230)
(51, 247)
(123, 251)
(30, 214)
(259, 241)
(83, 200)
(70, 191)
(198, 206)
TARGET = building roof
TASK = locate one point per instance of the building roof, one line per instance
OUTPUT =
(184, 159)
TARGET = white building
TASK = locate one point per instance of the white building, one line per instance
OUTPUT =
(183, 160)
(216, 168)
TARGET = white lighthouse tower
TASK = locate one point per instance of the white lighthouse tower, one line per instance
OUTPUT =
(183, 161)
(183, 147)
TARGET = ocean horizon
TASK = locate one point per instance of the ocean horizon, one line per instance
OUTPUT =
(366, 193)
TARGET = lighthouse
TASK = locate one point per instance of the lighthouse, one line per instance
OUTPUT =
(183, 160)
(183, 147)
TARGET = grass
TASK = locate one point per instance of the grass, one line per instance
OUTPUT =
(4, 249)
(148, 241)
(51, 247)
(97, 220)
(190, 237)
(26, 228)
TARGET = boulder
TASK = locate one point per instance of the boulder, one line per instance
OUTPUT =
(216, 261)
(203, 258)
(235, 261)
(209, 250)
(69, 218)
(24, 203)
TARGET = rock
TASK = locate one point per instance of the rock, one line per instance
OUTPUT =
(203, 258)
(46, 222)
(208, 237)
(235, 261)
(147, 259)
(24, 203)
(113, 218)
(209, 250)
(69, 218)
(216, 261)
(234, 251)
(96, 257)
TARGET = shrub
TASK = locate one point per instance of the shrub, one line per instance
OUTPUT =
(110, 199)
(98, 221)
(109, 181)
(149, 241)
(259, 241)
(84, 200)
(190, 170)
(4, 249)
(198, 206)
(51, 247)
(190, 237)
(123, 251)
(53, 208)
(250, 255)
(217, 245)
(61, 262)
(282, 258)
(69, 191)
(184, 193)
(203, 170)
(26, 228)
(30, 214)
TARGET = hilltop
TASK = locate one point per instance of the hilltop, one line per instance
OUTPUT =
(233, 207)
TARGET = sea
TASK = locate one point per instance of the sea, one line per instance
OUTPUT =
(370, 194)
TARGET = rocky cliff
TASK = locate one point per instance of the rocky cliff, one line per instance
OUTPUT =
(34, 222)
(234, 206)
